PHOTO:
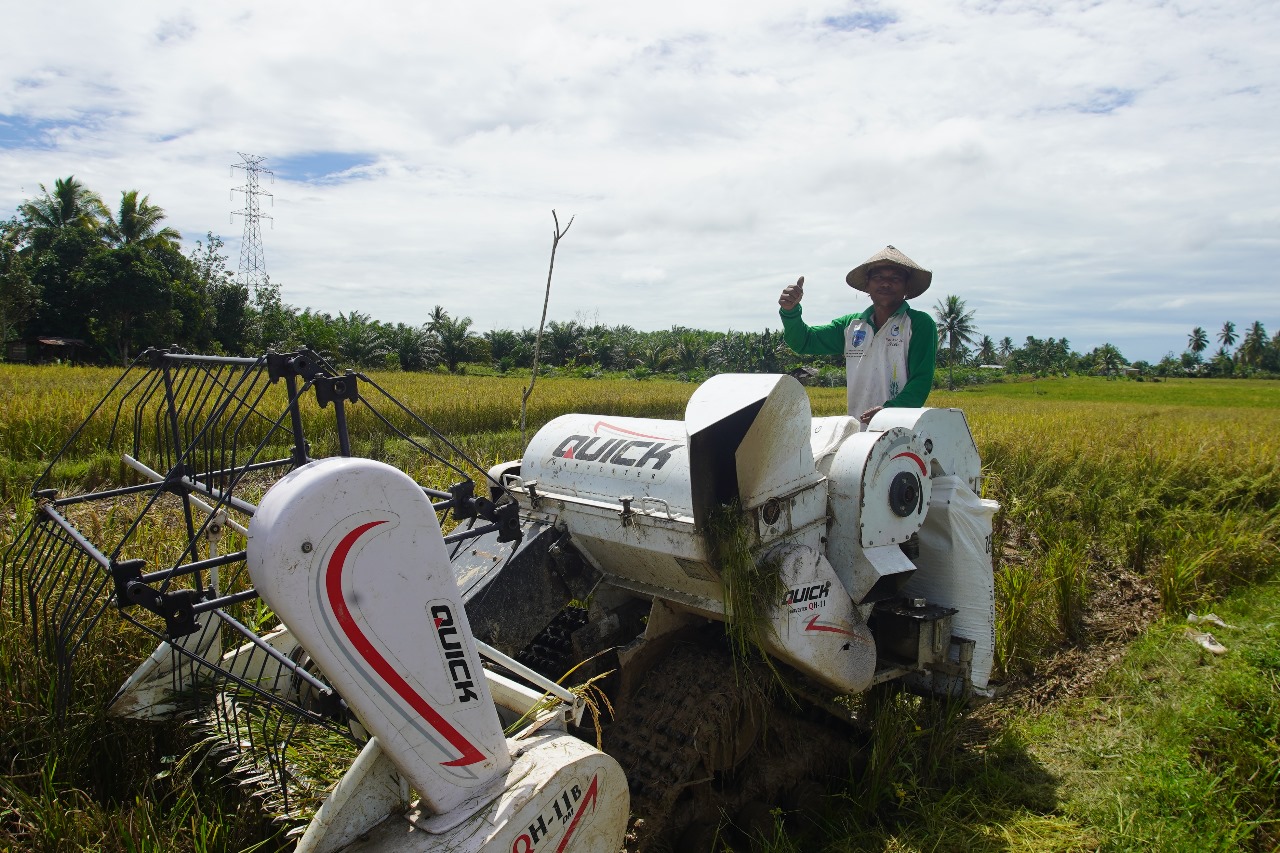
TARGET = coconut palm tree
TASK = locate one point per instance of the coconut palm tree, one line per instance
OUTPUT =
(563, 342)
(691, 349)
(1006, 348)
(1227, 337)
(70, 205)
(361, 340)
(1110, 360)
(1198, 342)
(955, 328)
(436, 318)
(138, 221)
(1222, 363)
(987, 350)
(1253, 345)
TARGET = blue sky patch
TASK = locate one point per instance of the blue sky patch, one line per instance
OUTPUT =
(1107, 100)
(24, 132)
(865, 20)
(318, 167)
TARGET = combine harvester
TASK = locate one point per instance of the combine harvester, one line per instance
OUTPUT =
(682, 570)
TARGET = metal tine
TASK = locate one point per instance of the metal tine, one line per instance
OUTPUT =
(169, 460)
(49, 555)
(147, 382)
(203, 381)
(233, 436)
(236, 390)
(416, 418)
(21, 555)
(47, 594)
(413, 416)
(64, 595)
(192, 382)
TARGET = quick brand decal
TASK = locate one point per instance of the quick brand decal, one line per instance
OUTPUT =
(567, 808)
(815, 626)
(436, 726)
(455, 656)
(626, 453)
(804, 598)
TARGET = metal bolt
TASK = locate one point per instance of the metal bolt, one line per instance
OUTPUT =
(306, 547)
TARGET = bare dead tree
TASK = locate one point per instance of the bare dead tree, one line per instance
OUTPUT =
(537, 344)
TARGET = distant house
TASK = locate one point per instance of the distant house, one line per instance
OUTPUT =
(45, 350)
(806, 375)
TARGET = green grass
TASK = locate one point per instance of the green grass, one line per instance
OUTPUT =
(1178, 750)
(1216, 393)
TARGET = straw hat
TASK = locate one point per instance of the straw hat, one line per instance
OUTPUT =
(918, 277)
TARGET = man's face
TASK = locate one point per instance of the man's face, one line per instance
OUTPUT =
(887, 287)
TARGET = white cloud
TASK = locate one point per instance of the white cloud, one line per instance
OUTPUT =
(1070, 169)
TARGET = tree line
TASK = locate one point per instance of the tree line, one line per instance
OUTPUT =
(117, 279)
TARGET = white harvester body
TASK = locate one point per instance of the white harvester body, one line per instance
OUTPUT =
(830, 505)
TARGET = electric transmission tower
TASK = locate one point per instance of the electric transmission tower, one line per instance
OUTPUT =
(253, 266)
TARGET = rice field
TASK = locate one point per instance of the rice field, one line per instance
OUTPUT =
(1123, 502)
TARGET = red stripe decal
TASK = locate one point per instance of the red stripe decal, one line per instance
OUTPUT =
(333, 586)
(907, 453)
(831, 629)
(590, 798)
(596, 430)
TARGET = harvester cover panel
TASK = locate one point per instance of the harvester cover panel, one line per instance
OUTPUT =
(348, 552)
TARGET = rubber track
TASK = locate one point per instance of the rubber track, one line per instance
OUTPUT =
(687, 706)
(691, 703)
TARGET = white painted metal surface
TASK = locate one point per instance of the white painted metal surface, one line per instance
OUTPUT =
(349, 554)
(371, 789)
(862, 472)
(774, 457)
(816, 628)
(149, 693)
(601, 459)
(561, 796)
(944, 438)
(629, 492)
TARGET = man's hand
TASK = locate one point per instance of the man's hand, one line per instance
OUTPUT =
(869, 414)
(792, 294)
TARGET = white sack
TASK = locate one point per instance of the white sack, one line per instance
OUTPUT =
(955, 566)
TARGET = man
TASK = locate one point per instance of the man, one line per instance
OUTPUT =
(889, 349)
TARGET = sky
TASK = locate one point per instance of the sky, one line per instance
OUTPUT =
(1100, 171)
